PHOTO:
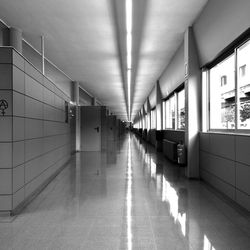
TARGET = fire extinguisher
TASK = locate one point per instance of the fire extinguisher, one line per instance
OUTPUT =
(181, 153)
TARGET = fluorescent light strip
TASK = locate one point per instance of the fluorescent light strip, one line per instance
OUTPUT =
(129, 85)
(129, 50)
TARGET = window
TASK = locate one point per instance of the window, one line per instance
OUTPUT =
(164, 114)
(174, 111)
(242, 71)
(243, 59)
(222, 94)
(223, 81)
(148, 122)
(181, 109)
(229, 91)
(168, 117)
(153, 119)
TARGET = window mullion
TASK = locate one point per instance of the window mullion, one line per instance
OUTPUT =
(236, 91)
(176, 110)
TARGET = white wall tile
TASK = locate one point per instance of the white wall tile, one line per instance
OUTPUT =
(243, 177)
(33, 72)
(33, 88)
(48, 84)
(243, 199)
(205, 160)
(33, 108)
(5, 155)
(18, 80)
(5, 129)
(223, 145)
(5, 55)
(7, 96)
(18, 177)
(5, 76)
(5, 181)
(223, 169)
(33, 185)
(18, 128)
(18, 153)
(48, 97)
(18, 198)
(5, 202)
(59, 102)
(18, 60)
(33, 148)
(18, 104)
(242, 149)
(33, 128)
(33, 168)
(222, 186)
(205, 142)
(49, 112)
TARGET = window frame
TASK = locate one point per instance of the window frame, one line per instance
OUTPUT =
(164, 104)
(232, 49)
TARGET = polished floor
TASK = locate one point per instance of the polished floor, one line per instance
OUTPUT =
(126, 198)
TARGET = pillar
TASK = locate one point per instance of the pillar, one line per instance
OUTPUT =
(159, 125)
(15, 39)
(192, 103)
(93, 101)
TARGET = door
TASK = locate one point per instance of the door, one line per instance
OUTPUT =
(90, 128)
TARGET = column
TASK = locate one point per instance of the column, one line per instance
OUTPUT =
(159, 115)
(15, 39)
(192, 103)
(93, 101)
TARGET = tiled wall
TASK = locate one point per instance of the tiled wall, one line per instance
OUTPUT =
(225, 164)
(34, 138)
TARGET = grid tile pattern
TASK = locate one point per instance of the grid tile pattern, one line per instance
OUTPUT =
(225, 164)
(34, 138)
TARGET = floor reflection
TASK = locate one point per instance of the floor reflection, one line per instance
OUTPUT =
(129, 180)
(135, 200)
(189, 204)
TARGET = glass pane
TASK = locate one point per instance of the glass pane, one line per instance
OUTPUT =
(222, 95)
(172, 112)
(164, 114)
(243, 64)
(181, 109)
(153, 119)
(168, 117)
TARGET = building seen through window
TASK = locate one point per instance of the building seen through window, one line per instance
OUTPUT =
(230, 79)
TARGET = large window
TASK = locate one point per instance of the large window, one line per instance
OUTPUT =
(222, 95)
(174, 111)
(153, 119)
(243, 64)
(229, 91)
(181, 109)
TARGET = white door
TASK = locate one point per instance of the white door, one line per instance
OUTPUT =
(90, 128)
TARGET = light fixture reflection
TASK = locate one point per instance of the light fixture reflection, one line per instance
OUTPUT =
(207, 244)
(169, 194)
(153, 169)
(129, 11)
(129, 197)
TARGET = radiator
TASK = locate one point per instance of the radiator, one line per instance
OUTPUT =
(170, 150)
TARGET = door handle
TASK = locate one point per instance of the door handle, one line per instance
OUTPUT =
(97, 129)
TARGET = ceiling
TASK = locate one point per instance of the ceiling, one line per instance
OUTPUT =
(87, 40)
